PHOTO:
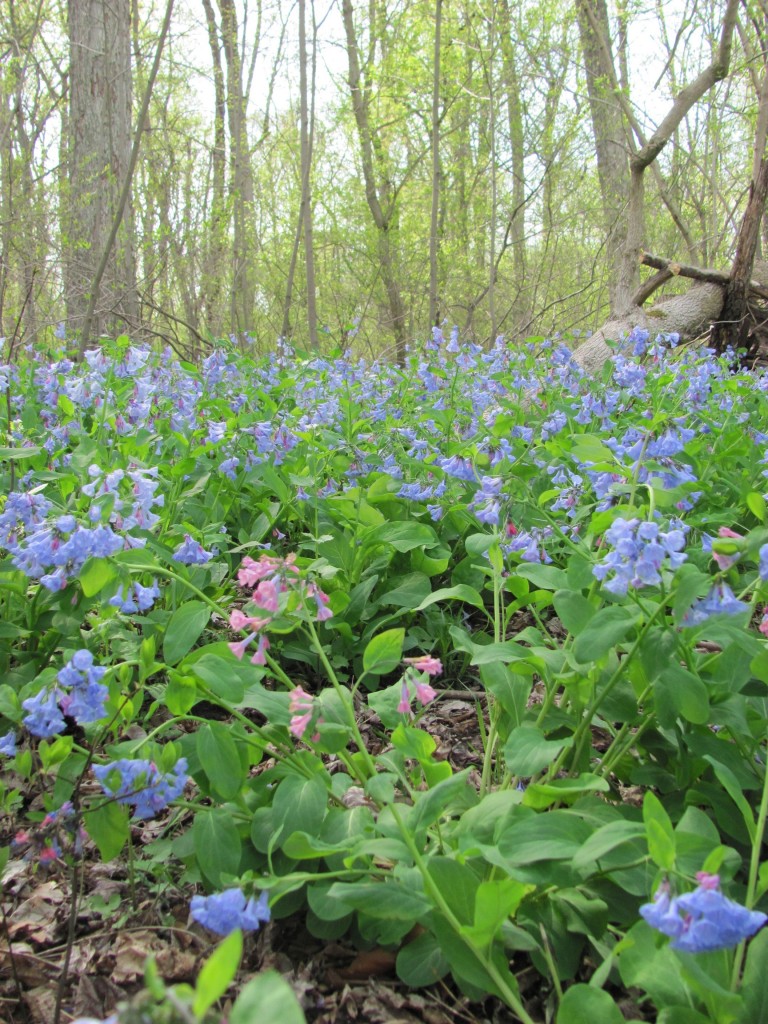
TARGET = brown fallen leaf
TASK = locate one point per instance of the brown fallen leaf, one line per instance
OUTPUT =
(38, 918)
(41, 1003)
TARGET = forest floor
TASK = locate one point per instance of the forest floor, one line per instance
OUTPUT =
(119, 923)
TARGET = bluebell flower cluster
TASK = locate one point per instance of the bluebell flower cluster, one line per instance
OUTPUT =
(138, 599)
(701, 921)
(78, 693)
(52, 552)
(191, 552)
(223, 912)
(487, 501)
(721, 600)
(8, 744)
(142, 784)
(640, 550)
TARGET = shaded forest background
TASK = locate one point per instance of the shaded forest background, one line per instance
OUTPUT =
(351, 174)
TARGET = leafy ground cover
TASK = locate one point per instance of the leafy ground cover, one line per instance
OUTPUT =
(457, 671)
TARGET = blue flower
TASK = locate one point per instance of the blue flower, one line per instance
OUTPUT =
(763, 570)
(640, 551)
(719, 601)
(44, 719)
(224, 911)
(143, 784)
(191, 552)
(701, 921)
(8, 745)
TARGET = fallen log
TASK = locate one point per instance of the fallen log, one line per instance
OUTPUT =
(690, 315)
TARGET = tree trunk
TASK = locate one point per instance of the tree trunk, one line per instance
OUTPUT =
(99, 152)
(306, 174)
(380, 203)
(434, 241)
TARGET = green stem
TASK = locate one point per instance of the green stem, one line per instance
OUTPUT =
(586, 722)
(754, 868)
(510, 997)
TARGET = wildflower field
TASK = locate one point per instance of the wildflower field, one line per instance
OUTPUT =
(459, 668)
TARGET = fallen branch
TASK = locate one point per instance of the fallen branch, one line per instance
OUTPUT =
(706, 274)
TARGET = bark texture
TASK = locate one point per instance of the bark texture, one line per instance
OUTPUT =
(100, 143)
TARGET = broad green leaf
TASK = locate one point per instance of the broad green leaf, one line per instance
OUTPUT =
(540, 795)
(218, 972)
(224, 676)
(461, 592)
(730, 784)
(685, 692)
(107, 825)
(583, 1004)
(457, 884)
(217, 844)
(421, 962)
(606, 628)
(390, 900)
(604, 840)
(184, 629)
(383, 653)
(753, 987)
(431, 804)
(220, 759)
(495, 902)
(409, 593)
(573, 610)
(268, 999)
(527, 751)
(659, 832)
(402, 535)
(299, 805)
(546, 577)
(95, 575)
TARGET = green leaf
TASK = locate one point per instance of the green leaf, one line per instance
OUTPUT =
(218, 972)
(457, 884)
(690, 583)
(607, 628)
(390, 900)
(431, 804)
(383, 653)
(402, 535)
(546, 577)
(461, 592)
(756, 505)
(495, 902)
(268, 999)
(225, 677)
(184, 630)
(730, 784)
(411, 590)
(220, 759)
(659, 832)
(95, 575)
(604, 840)
(299, 805)
(573, 610)
(753, 987)
(583, 1004)
(540, 795)
(685, 692)
(527, 750)
(421, 962)
(108, 827)
(217, 844)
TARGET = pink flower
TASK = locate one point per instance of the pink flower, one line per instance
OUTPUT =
(763, 627)
(239, 620)
(425, 693)
(405, 698)
(260, 655)
(425, 663)
(266, 596)
(321, 600)
(706, 881)
(250, 572)
(239, 648)
(301, 708)
(726, 531)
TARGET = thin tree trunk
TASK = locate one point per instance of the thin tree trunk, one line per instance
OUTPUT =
(383, 212)
(123, 202)
(434, 240)
(306, 174)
